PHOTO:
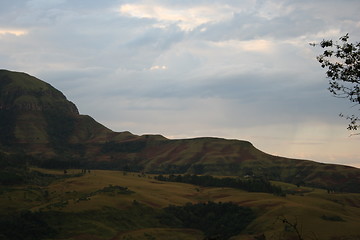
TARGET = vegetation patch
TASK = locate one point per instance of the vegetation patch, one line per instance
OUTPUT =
(110, 190)
(251, 185)
(14, 170)
(216, 220)
(114, 189)
(25, 226)
(333, 218)
(105, 223)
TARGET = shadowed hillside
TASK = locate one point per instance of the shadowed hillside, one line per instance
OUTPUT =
(38, 120)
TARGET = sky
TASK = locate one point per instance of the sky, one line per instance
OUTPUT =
(208, 68)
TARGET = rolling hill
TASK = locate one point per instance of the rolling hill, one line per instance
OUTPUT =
(121, 205)
(38, 120)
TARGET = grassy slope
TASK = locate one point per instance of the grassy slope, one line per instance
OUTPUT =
(89, 219)
(22, 80)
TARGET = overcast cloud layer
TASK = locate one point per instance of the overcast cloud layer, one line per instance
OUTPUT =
(231, 69)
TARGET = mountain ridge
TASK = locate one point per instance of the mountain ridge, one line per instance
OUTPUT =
(38, 119)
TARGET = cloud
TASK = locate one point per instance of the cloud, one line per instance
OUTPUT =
(256, 45)
(157, 67)
(187, 18)
(16, 32)
(274, 9)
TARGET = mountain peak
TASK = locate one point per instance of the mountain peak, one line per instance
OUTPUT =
(22, 92)
(32, 111)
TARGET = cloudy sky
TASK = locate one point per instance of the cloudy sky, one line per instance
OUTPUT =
(224, 68)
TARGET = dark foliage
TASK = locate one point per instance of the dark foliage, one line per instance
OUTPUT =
(14, 171)
(95, 222)
(12, 168)
(171, 169)
(17, 160)
(117, 164)
(60, 126)
(25, 226)
(8, 177)
(58, 163)
(7, 126)
(198, 168)
(342, 61)
(216, 220)
(333, 218)
(252, 185)
(112, 189)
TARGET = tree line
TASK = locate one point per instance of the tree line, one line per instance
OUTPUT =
(250, 185)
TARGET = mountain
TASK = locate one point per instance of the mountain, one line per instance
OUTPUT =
(38, 120)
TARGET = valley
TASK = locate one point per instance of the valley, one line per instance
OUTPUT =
(107, 204)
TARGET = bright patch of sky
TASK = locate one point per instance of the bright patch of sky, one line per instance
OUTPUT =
(15, 32)
(231, 69)
(187, 18)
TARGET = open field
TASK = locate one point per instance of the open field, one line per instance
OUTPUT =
(123, 205)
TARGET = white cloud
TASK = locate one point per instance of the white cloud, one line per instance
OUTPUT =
(256, 45)
(186, 18)
(157, 67)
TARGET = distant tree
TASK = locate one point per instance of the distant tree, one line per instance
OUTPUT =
(342, 61)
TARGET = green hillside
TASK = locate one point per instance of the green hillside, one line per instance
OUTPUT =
(38, 120)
